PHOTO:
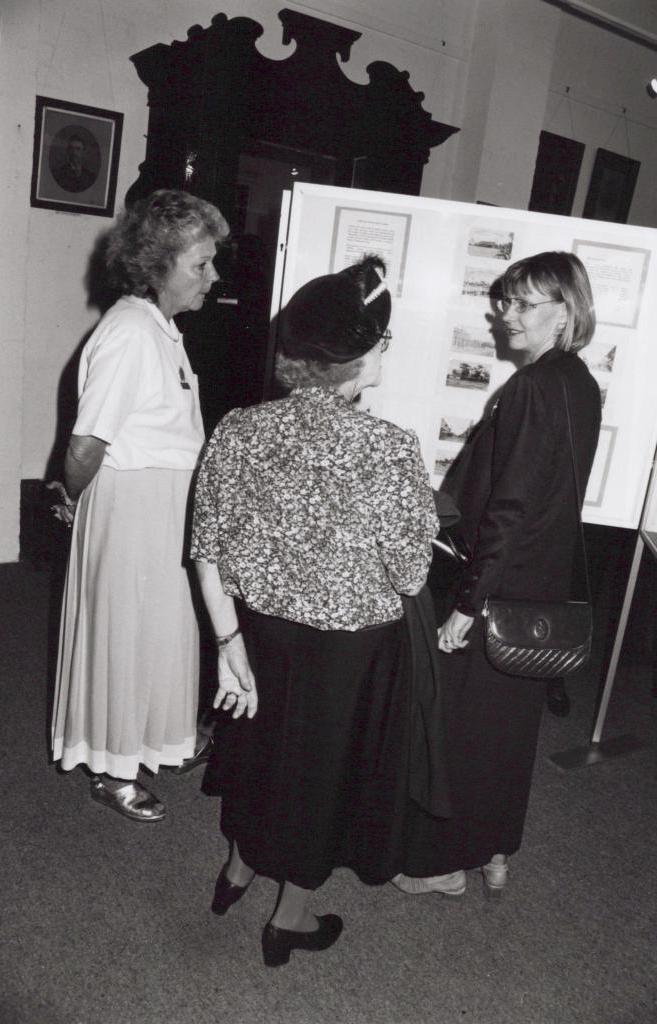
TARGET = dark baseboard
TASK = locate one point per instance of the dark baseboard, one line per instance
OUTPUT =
(44, 540)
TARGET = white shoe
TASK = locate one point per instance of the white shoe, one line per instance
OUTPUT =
(447, 885)
(496, 875)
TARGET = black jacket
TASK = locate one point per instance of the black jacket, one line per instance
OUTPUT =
(513, 483)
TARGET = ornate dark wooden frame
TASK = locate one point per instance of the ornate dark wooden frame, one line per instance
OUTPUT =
(212, 94)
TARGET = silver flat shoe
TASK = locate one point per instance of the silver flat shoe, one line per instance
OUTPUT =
(131, 800)
(445, 885)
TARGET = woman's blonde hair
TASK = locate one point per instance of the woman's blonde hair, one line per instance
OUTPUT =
(560, 276)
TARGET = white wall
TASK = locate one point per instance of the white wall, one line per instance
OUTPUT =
(16, 80)
(493, 67)
(603, 74)
(513, 42)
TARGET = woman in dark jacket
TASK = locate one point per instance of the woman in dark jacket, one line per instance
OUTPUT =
(515, 487)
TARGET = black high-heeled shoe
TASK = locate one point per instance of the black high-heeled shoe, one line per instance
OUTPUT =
(202, 756)
(226, 893)
(278, 943)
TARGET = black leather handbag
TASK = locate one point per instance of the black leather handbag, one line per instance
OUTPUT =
(538, 639)
(541, 639)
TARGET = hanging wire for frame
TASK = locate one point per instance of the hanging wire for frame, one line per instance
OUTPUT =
(621, 117)
(569, 107)
(627, 131)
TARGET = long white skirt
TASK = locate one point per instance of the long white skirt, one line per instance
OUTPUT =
(127, 674)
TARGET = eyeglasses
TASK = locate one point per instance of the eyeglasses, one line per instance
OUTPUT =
(519, 305)
(385, 340)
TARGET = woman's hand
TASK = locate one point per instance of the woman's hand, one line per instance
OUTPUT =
(453, 632)
(62, 508)
(237, 689)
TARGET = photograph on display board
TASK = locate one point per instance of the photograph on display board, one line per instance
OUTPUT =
(463, 373)
(444, 458)
(360, 232)
(618, 276)
(603, 384)
(478, 281)
(455, 428)
(599, 357)
(491, 243)
(473, 339)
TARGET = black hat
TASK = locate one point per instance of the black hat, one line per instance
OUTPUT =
(337, 317)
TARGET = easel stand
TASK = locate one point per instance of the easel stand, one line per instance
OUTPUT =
(599, 750)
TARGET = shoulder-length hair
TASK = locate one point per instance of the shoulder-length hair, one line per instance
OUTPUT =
(560, 276)
(147, 239)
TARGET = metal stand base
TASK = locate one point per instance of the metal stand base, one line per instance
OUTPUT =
(596, 753)
(599, 750)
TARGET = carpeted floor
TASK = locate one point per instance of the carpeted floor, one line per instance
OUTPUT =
(106, 922)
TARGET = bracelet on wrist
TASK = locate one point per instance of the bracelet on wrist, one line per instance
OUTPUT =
(223, 641)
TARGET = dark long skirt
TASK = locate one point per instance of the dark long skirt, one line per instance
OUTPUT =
(491, 725)
(318, 779)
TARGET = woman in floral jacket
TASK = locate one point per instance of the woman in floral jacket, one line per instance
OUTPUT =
(315, 517)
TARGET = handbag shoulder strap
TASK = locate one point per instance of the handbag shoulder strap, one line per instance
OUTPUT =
(578, 496)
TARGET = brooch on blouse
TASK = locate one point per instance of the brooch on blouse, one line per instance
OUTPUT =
(183, 380)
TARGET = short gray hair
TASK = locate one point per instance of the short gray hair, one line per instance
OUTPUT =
(147, 239)
(300, 373)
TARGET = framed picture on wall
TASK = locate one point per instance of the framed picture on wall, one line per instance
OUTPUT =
(76, 157)
(555, 175)
(612, 187)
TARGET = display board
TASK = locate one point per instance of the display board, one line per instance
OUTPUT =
(648, 524)
(448, 356)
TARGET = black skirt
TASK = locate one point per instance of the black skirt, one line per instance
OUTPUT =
(318, 779)
(491, 723)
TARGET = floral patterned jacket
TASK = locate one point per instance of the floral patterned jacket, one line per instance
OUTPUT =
(314, 511)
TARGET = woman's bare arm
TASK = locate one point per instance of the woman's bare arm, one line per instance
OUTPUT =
(236, 690)
(84, 456)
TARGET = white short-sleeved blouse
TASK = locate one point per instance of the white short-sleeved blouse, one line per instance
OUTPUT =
(137, 390)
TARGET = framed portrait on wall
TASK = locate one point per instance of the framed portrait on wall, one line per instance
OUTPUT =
(611, 187)
(76, 157)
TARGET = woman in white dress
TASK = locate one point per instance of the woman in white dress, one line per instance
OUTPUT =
(127, 676)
